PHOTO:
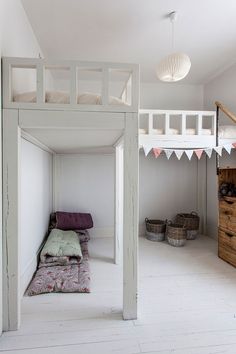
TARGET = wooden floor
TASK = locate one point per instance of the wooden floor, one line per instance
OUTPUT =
(187, 306)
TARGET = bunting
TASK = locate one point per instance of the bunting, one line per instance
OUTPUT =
(179, 153)
(189, 152)
(168, 153)
(157, 152)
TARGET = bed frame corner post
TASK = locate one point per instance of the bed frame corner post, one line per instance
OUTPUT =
(119, 176)
(131, 212)
(11, 225)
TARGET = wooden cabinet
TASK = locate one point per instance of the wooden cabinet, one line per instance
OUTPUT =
(227, 218)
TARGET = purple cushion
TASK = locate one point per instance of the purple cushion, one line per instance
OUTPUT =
(73, 221)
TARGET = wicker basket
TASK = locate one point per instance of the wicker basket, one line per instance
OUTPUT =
(176, 234)
(191, 222)
(155, 229)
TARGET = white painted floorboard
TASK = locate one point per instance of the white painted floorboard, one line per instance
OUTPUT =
(187, 305)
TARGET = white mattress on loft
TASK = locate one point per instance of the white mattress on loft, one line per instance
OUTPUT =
(225, 131)
(64, 98)
(173, 131)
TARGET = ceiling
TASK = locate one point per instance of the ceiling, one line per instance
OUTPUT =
(137, 31)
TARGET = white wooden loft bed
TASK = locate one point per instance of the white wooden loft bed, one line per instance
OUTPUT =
(64, 128)
(183, 129)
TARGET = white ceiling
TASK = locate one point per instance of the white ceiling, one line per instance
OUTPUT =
(137, 31)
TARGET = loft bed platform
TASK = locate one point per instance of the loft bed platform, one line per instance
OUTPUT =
(70, 85)
(183, 129)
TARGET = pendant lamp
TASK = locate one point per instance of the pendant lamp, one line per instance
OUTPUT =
(175, 66)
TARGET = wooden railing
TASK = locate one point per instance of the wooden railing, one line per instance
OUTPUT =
(225, 110)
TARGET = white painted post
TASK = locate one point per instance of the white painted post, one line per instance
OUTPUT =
(150, 123)
(11, 229)
(131, 211)
(183, 124)
(73, 84)
(119, 177)
(202, 192)
(167, 123)
(55, 176)
(199, 124)
(105, 86)
(40, 83)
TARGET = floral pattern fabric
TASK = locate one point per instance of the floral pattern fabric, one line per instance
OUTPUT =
(62, 278)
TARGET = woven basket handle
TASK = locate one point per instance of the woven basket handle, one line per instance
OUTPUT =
(194, 213)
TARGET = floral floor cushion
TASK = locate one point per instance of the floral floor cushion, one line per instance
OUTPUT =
(68, 278)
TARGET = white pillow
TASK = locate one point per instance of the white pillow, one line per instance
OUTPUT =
(227, 131)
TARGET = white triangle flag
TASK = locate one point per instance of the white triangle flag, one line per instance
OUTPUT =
(168, 153)
(209, 152)
(179, 153)
(147, 149)
(228, 148)
(218, 150)
(189, 153)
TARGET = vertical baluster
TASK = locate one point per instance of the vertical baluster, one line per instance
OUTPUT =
(150, 123)
(105, 93)
(40, 83)
(183, 124)
(167, 123)
(73, 84)
(199, 124)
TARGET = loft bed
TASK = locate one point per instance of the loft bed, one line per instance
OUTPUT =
(77, 117)
(93, 107)
(183, 129)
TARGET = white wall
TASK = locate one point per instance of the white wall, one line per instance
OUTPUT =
(17, 39)
(221, 88)
(171, 96)
(167, 187)
(86, 184)
(36, 205)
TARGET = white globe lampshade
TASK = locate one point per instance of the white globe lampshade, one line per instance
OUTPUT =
(174, 67)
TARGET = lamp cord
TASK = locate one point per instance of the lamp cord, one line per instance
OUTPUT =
(173, 35)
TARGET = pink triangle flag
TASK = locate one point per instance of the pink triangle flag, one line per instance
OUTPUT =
(198, 152)
(157, 152)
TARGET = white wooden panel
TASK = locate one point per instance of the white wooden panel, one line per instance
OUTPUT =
(11, 236)
(40, 84)
(202, 192)
(70, 119)
(119, 176)
(131, 199)
(55, 177)
(177, 141)
(40, 104)
(150, 123)
(199, 124)
(105, 84)
(73, 84)
(183, 124)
